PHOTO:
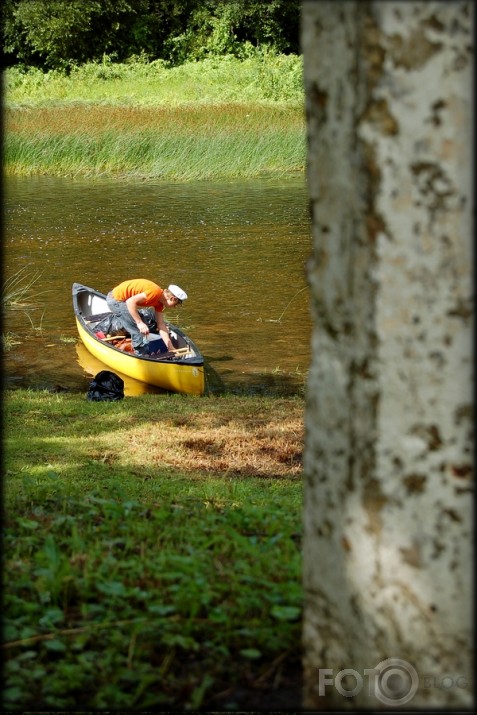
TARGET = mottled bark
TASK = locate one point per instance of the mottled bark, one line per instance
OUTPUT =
(389, 449)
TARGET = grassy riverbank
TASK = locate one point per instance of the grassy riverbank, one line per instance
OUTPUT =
(152, 552)
(209, 119)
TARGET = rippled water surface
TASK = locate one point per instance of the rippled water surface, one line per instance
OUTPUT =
(238, 248)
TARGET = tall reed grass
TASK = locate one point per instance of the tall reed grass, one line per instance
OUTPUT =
(216, 118)
(197, 142)
(18, 293)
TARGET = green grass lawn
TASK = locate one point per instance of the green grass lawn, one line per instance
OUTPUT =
(151, 550)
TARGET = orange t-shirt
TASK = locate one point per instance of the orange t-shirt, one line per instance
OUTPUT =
(153, 292)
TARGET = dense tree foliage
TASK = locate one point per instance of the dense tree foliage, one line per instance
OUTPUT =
(56, 34)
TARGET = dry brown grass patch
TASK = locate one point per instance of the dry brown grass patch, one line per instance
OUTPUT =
(248, 445)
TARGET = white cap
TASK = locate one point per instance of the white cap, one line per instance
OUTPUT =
(177, 292)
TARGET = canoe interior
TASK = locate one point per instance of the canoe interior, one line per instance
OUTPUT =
(90, 308)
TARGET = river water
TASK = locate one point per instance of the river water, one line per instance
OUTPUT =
(238, 248)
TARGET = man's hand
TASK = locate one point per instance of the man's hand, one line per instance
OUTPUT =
(142, 327)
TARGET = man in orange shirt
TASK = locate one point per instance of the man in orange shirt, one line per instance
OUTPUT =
(125, 299)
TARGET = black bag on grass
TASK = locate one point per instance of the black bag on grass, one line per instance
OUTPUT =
(106, 387)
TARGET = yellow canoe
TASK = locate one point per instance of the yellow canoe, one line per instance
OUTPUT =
(177, 372)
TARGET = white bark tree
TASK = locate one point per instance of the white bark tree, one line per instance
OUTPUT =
(389, 447)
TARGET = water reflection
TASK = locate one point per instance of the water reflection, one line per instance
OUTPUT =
(238, 248)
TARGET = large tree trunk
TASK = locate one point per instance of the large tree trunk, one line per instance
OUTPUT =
(389, 450)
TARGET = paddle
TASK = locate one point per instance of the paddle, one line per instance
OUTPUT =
(178, 352)
(114, 337)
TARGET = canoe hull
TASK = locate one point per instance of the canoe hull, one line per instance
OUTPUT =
(181, 375)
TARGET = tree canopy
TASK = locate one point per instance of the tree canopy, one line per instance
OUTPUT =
(57, 34)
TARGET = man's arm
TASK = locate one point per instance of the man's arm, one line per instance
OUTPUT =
(163, 331)
(132, 303)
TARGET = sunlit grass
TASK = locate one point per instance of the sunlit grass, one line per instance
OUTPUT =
(264, 78)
